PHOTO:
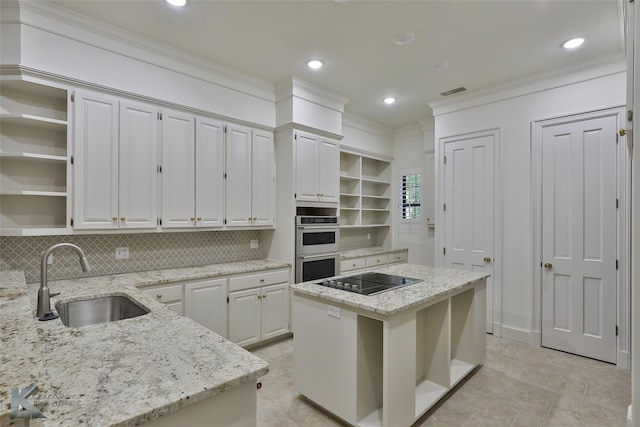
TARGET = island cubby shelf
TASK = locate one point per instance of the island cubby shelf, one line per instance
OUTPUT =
(34, 158)
(365, 190)
(355, 362)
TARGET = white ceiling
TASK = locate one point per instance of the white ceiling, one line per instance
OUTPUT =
(486, 42)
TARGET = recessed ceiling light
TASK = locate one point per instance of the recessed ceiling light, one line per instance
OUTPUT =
(573, 43)
(315, 64)
(389, 100)
(403, 39)
(439, 66)
(177, 3)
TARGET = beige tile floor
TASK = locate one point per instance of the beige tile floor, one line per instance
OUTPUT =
(518, 385)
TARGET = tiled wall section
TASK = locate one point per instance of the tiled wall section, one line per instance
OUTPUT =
(146, 252)
(358, 238)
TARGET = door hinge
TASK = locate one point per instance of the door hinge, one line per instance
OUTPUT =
(71, 159)
(444, 207)
(225, 220)
(73, 97)
(616, 264)
(225, 128)
(295, 136)
(159, 168)
(159, 115)
(616, 330)
(444, 251)
(227, 300)
(630, 112)
(444, 160)
(160, 221)
(616, 138)
(71, 222)
(225, 175)
(617, 203)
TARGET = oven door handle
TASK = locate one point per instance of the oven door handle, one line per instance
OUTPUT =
(319, 256)
(318, 227)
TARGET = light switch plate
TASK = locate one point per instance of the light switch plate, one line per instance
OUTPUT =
(334, 312)
(122, 253)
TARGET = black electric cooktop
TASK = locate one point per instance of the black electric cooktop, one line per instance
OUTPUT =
(368, 283)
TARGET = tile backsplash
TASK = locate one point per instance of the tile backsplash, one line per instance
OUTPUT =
(147, 251)
(358, 238)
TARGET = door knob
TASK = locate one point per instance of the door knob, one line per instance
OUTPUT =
(548, 265)
(487, 259)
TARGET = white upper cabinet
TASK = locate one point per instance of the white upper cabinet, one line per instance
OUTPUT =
(209, 173)
(138, 159)
(115, 161)
(192, 171)
(317, 168)
(178, 175)
(250, 171)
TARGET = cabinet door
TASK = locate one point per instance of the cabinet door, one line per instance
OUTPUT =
(275, 310)
(238, 170)
(328, 170)
(95, 168)
(138, 162)
(263, 179)
(178, 176)
(206, 303)
(209, 163)
(306, 167)
(244, 316)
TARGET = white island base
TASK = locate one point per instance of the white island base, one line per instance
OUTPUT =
(372, 369)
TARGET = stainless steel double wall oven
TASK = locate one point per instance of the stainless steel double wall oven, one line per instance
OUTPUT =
(317, 244)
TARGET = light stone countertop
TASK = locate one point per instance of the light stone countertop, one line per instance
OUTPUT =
(377, 250)
(435, 283)
(119, 373)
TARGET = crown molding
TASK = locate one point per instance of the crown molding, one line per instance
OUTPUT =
(356, 121)
(101, 35)
(296, 87)
(408, 131)
(601, 67)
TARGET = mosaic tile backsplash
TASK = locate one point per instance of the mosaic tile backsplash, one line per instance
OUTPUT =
(360, 238)
(146, 252)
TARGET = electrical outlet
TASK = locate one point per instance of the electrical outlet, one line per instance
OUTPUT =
(254, 244)
(122, 253)
(368, 236)
(50, 259)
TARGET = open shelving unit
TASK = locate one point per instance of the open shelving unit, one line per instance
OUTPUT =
(365, 190)
(34, 166)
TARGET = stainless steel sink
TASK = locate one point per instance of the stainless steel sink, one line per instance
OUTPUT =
(92, 311)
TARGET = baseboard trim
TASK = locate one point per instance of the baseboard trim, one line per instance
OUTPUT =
(623, 360)
(629, 416)
(517, 334)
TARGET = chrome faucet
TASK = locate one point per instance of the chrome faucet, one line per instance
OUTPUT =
(44, 304)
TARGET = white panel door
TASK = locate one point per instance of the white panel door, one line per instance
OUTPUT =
(209, 173)
(178, 174)
(95, 166)
(263, 171)
(238, 171)
(469, 207)
(579, 237)
(328, 170)
(138, 160)
(307, 167)
(244, 316)
(206, 303)
(275, 310)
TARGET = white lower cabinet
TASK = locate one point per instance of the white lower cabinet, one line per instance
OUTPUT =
(206, 303)
(169, 295)
(258, 306)
(351, 264)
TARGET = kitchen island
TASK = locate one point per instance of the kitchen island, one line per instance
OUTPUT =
(160, 368)
(385, 359)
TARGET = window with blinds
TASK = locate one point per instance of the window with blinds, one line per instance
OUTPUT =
(411, 196)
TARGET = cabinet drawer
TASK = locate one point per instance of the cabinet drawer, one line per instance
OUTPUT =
(372, 261)
(165, 294)
(259, 279)
(352, 264)
(399, 257)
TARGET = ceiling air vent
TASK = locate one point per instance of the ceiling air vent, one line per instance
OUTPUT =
(452, 91)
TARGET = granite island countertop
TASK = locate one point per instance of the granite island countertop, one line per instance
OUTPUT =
(434, 283)
(119, 373)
